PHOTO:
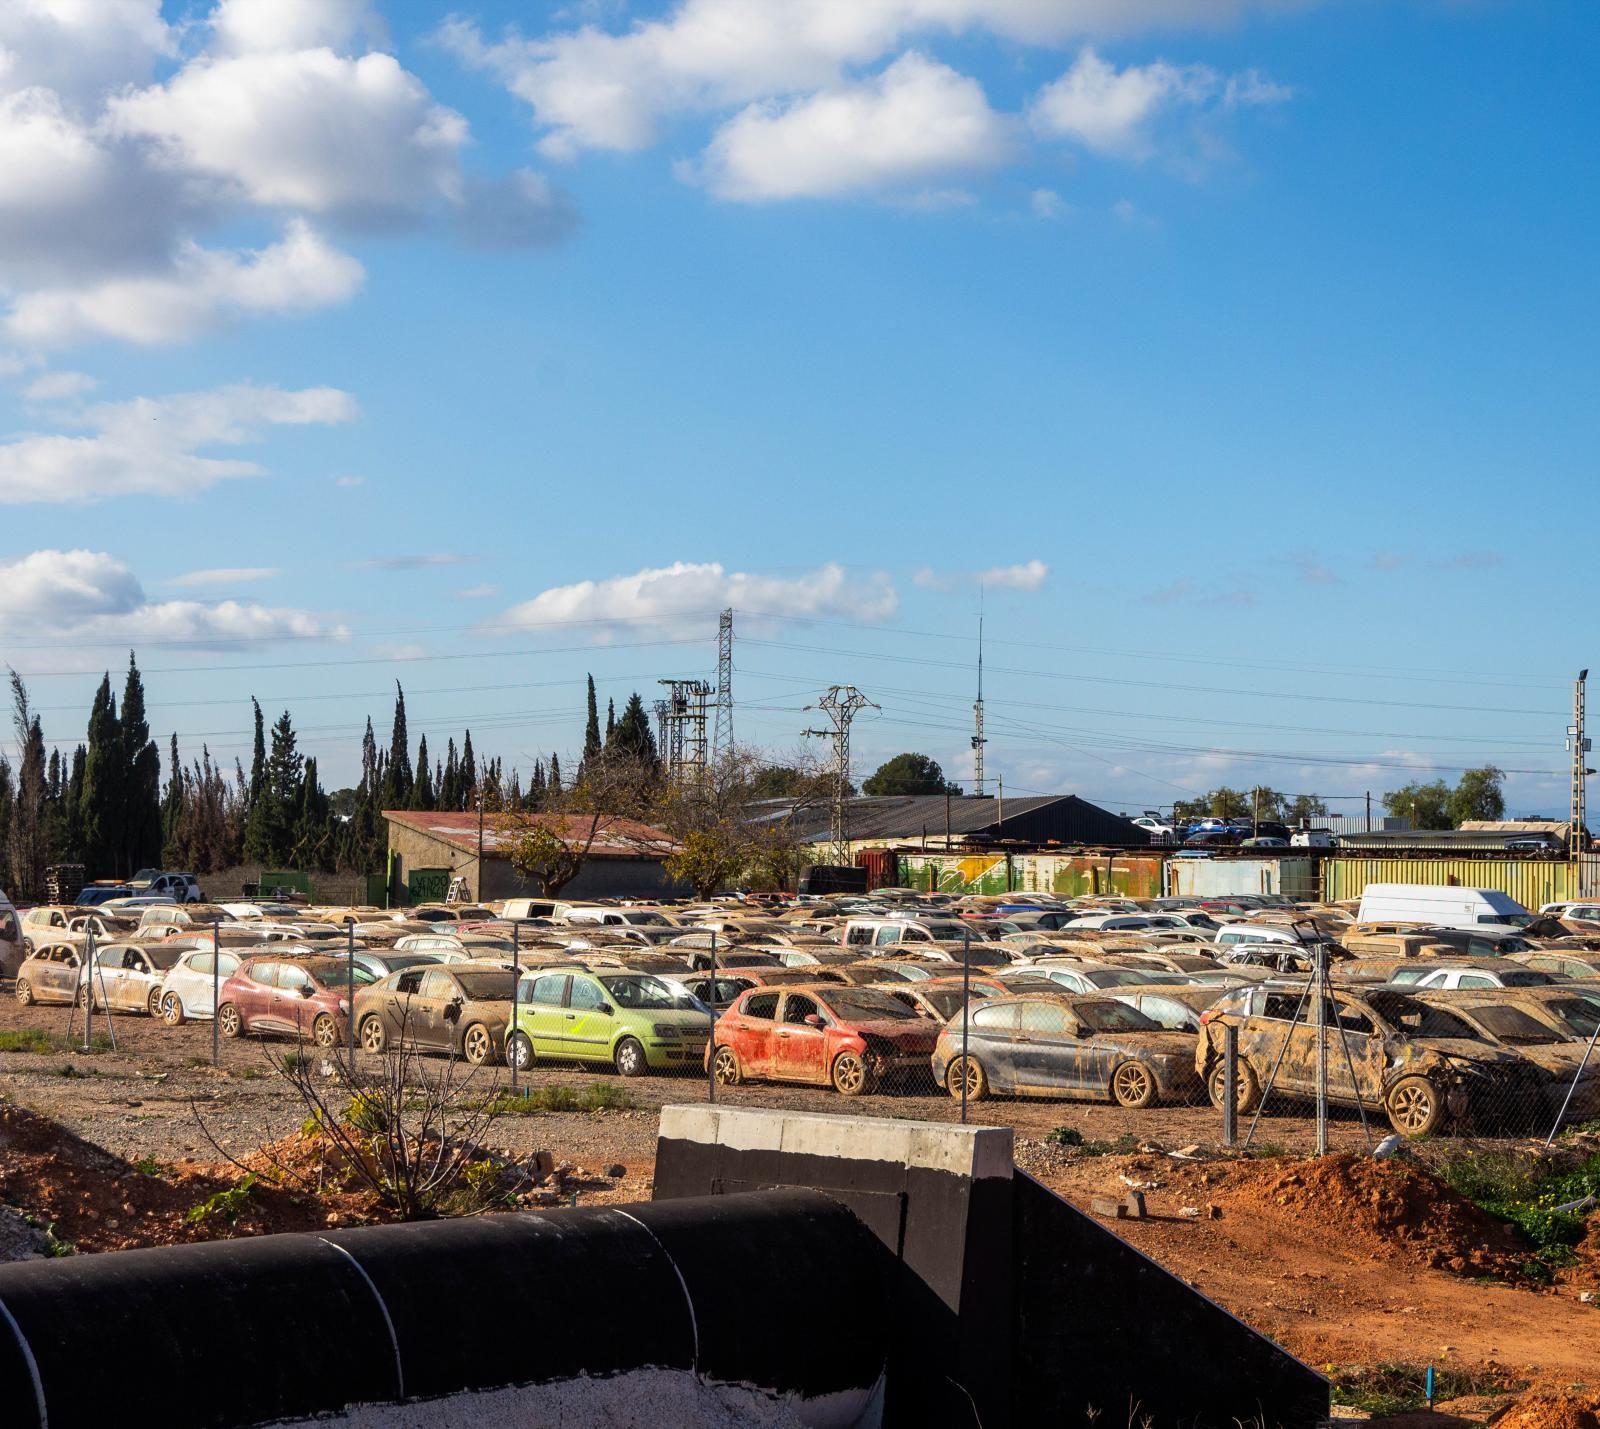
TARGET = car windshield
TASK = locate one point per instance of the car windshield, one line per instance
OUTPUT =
(1169, 1013)
(335, 973)
(656, 920)
(1127, 977)
(1511, 920)
(1530, 977)
(1111, 1016)
(1579, 1015)
(487, 986)
(640, 990)
(945, 1001)
(1419, 1019)
(1511, 1024)
(865, 1005)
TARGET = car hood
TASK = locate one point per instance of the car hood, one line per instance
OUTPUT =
(1176, 1044)
(1463, 1048)
(916, 1036)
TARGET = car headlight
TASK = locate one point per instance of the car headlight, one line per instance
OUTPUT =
(344, 1007)
(665, 1031)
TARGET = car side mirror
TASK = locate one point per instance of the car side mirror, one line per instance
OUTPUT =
(813, 1020)
(606, 1010)
(306, 990)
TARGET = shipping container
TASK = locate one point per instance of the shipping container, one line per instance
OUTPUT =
(1532, 882)
(1220, 877)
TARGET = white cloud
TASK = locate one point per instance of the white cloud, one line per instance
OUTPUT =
(1047, 203)
(57, 386)
(477, 592)
(1027, 575)
(1112, 112)
(349, 481)
(155, 445)
(411, 562)
(90, 596)
(590, 89)
(225, 575)
(81, 48)
(915, 122)
(249, 26)
(299, 273)
(685, 595)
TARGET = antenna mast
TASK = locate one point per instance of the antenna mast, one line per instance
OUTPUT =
(840, 704)
(1580, 748)
(722, 739)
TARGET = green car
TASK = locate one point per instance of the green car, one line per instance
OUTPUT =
(634, 1021)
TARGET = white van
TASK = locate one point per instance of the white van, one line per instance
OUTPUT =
(1441, 906)
(11, 950)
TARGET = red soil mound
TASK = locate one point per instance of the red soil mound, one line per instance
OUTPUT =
(1553, 1411)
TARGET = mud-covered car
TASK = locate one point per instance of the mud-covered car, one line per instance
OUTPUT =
(128, 976)
(461, 1009)
(1057, 1045)
(1544, 1042)
(50, 974)
(940, 998)
(1418, 1061)
(1563, 962)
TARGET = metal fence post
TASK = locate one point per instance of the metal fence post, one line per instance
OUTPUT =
(1230, 1084)
(1319, 981)
(711, 1045)
(1576, 1078)
(88, 991)
(516, 991)
(216, 992)
(350, 999)
(966, 1015)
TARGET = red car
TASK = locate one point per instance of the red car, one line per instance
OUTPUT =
(300, 997)
(849, 1038)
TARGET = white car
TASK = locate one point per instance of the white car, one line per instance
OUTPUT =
(1160, 833)
(1112, 921)
(127, 977)
(1469, 977)
(186, 991)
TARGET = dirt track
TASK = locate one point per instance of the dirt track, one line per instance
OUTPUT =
(1334, 1294)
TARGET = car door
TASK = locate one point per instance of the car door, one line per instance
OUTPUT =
(1281, 1024)
(1046, 1053)
(587, 1021)
(253, 995)
(1356, 1055)
(542, 1015)
(292, 1007)
(132, 993)
(754, 1024)
(400, 1018)
(62, 972)
(799, 1050)
(992, 1043)
(433, 1010)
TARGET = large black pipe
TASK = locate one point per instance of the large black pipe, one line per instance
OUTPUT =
(745, 1288)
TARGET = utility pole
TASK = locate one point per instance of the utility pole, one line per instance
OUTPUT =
(978, 737)
(1579, 747)
(722, 739)
(686, 729)
(840, 704)
(663, 709)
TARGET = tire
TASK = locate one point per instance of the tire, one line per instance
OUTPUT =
(25, 993)
(153, 1002)
(630, 1059)
(1415, 1107)
(1133, 1085)
(229, 1021)
(849, 1074)
(970, 1070)
(519, 1051)
(172, 1012)
(325, 1032)
(83, 995)
(725, 1068)
(1247, 1092)
(374, 1036)
(477, 1044)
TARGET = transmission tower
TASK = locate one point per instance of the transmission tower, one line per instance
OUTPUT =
(722, 740)
(663, 708)
(686, 728)
(1580, 748)
(978, 739)
(840, 704)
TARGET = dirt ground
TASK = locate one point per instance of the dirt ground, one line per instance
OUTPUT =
(1344, 1262)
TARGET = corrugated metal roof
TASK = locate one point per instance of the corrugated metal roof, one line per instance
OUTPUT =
(617, 838)
(905, 817)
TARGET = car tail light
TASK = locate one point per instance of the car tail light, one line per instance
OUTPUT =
(1206, 1016)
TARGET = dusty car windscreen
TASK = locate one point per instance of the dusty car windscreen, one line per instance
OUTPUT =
(487, 986)
(1418, 1019)
(1577, 1014)
(335, 974)
(1111, 1016)
(944, 1001)
(1127, 977)
(1511, 1024)
(864, 1005)
(642, 990)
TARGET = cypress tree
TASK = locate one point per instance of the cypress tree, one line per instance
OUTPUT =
(72, 824)
(141, 778)
(258, 761)
(450, 778)
(632, 737)
(7, 804)
(611, 720)
(101, 799)
(591, 731)
(422, 785)
(555, 774)
(468, 774)
(172, 805)
(397, 778)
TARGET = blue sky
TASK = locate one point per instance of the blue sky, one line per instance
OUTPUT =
(1247, 348)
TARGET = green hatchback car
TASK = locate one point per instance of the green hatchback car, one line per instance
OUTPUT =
(632, 1020)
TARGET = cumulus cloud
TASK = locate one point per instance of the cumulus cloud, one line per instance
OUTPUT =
(157, 445)
(90, 596)
(917, 121)
(292, 110)
(1028, 576)
(225, 575)
(1113, 112)
(591, 89)
(680, 596)
(57, 386)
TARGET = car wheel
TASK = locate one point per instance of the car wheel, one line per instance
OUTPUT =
(172, 1010)
(725, 1070)
(630, 1058)
(374, 1038)
(83, 995)
(25, 993)
(849, 1074)
(325, 1032)
(477, 1045)
(229, 1022)
(1415, 1107)
(153, 1003)
(519, 1051)
(1133, 1085)
(968, 1071)
(1247, 1087)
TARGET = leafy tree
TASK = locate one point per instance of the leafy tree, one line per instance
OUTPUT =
(909, 774)
(630, 737)
(1478, 795)
(552, 846)
(1426, 805)
(777, 781)
(1302, 808)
